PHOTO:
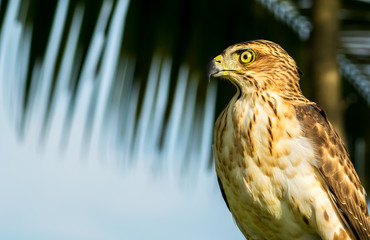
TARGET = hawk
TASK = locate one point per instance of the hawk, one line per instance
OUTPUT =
(283, 171)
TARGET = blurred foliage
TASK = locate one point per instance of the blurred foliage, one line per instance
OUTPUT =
(193, 32)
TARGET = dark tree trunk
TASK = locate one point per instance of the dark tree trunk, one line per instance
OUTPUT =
(324, 68)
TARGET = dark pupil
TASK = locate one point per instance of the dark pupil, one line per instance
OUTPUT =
(245, 56)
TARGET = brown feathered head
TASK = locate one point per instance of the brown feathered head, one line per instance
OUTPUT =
(257, 65)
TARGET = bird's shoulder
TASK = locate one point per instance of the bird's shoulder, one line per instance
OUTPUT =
(335, 167)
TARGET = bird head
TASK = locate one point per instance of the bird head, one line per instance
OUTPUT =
(256, 65)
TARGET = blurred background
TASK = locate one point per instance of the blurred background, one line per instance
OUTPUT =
(106, 115)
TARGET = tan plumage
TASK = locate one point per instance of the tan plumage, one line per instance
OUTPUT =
(283, 170)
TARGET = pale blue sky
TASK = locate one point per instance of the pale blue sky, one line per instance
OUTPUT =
(49, 195)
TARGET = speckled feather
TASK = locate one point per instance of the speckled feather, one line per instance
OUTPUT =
(336, 169)
(283, 171)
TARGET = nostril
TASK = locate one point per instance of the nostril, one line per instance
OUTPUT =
(218, 59)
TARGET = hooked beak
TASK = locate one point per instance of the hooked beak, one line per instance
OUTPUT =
(214, 68)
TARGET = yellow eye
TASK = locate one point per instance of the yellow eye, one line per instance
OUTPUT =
(247, 57)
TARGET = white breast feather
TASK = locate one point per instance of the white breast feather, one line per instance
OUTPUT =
(268, 206)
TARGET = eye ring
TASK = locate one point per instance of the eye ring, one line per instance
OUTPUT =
(247, 57)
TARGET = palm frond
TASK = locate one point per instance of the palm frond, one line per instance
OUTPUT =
(126, 76)
(97, 88)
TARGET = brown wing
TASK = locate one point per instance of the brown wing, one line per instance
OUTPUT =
(336, 169)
